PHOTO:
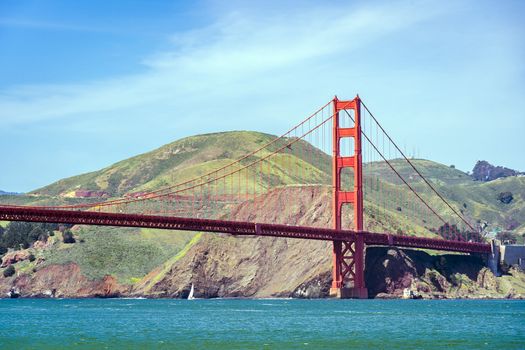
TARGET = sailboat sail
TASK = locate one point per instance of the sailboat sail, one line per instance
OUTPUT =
(190, 296)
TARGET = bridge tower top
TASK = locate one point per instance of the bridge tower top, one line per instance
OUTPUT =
(353, 161)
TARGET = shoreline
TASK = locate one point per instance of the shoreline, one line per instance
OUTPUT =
(251, 298)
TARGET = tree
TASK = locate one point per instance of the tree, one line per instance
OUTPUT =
(23, 234)
(37, 233)
(16, 234)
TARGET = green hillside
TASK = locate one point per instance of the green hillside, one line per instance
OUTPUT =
(126, 253)
(384, 192)
(129, 254)
(477, 201)
(190, 157)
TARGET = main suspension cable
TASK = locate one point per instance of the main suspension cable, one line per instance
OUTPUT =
(417, 171)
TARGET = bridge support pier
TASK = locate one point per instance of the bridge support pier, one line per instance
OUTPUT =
(348, 279)
(349, 293)
(493, 258)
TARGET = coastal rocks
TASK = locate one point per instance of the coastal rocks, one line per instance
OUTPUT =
(389, 270)
(229, 266)
(63, 281)
(486, 279)
(319, 287)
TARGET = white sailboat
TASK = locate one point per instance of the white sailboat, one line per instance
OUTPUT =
(190, 296)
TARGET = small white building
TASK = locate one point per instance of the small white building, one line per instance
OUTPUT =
(513, 254)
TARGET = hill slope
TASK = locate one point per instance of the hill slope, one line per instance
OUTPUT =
(163, 263)
(183, 160)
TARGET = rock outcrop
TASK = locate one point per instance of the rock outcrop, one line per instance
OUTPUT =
(484, 171)
(61, 281)
(14, 257)
(390, 270)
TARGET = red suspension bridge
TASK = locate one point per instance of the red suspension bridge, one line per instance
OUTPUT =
(379, 196)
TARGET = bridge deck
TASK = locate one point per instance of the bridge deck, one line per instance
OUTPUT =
(15, 213)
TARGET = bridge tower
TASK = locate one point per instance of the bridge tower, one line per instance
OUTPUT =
(348, 256)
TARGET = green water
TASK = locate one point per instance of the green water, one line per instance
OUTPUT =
(261, 324)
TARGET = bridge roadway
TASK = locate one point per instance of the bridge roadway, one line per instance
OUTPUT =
(35, 214)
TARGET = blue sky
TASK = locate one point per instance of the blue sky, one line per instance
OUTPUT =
(85, 84)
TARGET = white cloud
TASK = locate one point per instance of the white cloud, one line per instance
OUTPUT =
(236, 55)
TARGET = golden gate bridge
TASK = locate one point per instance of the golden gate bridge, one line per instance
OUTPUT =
(374, 187)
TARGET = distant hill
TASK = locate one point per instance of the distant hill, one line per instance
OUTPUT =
(4, 193)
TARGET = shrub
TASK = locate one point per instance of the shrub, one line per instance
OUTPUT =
(9, 271)
(32, 257)
(505, 197)
(67, 237)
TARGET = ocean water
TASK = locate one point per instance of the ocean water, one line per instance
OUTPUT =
(261, 324)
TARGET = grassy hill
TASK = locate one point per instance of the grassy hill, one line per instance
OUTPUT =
(192, 156)
(477, 201)
(126, 253)
(129, 254)
(186, 158)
